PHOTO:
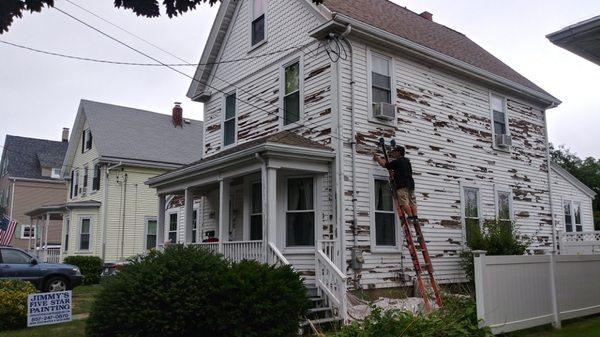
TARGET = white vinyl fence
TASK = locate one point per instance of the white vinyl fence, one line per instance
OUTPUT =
(519, 292)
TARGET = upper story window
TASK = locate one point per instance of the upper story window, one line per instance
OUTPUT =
(85, 179)
(381, 81)
(74, 183)
(229, 122)
(258, 29)
(472, 212)
(86, 140)
(291, 93)
(96, 178)
(500, 121)
(55, 173)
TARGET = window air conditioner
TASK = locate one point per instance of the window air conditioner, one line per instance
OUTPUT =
(384, 110)
(503, 141)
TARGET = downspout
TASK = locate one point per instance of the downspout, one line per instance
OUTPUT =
(124, 188)
(352, 141)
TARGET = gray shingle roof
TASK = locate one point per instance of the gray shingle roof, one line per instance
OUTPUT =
(27, 156)
(402, 22)
(128, 133)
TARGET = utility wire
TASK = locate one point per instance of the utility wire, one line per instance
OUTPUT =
(178, 71)
(142, 64)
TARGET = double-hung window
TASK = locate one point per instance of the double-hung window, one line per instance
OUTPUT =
(55, 173)
(75, 183)
(499, 117)
(381, 80)
(503, 208)
(258, 29)
(291, 93)
(27, 231)
(256, 211)
(194, 225)
(300, 213)
(173, 219)
(86, 140)
(96, 178)
(385, 218)
(230, 120)
(472, 212)
(85, 231)
(85, 179)
(572, 212)
(151, 226)
(67, 229)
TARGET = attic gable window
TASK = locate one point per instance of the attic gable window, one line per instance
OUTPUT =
(258, 22)
(86, 140)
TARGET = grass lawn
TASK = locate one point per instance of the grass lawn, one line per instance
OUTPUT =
(585, 327)
(83, 297)
(71, 329)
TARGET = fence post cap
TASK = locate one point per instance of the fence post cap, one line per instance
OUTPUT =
(478, 252)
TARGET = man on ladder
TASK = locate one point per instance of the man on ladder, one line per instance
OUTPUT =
(405, 184)
(403, 188)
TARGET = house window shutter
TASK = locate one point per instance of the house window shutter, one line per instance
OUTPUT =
(83, 142)
(72, 182)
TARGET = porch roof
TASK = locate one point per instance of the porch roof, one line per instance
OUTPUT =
(284, 141)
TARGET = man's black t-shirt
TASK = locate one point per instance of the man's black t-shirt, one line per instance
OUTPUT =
(402, 173)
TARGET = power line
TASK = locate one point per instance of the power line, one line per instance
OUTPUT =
(89, 59)
(178, 71)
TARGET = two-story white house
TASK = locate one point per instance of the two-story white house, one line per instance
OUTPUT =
(110, 212)
(290, 130)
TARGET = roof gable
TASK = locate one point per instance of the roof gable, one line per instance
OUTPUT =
(572, 179)
(26, 156)
(128, 134)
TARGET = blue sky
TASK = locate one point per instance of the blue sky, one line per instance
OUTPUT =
(40, 94)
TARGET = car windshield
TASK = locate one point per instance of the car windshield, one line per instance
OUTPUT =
(12, 256)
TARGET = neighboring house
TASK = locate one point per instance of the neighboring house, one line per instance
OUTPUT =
(582, 38)
(30, 178)
(288, 173)
(110, 212)
(572, 201)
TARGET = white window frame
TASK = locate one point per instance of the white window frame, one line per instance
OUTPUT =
(235, 118)
(94, 165)
(300, 122)
(491, 108)
(67, 233)
(54, 174)
(505, 189)
(308, 248)
(22, 236)
(85, 177)
(462, 186)
(147, 219)
(370, 117)
(75, 187)
(572, 215)
(398, 231)
(79, 233)
(248, 231)
(87, 132)
(168, 226)
(251, 18)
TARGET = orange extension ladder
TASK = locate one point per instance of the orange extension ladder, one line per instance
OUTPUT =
(411, 244)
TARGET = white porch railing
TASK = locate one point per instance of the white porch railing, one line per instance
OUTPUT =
(237, 251)
(330, 280)
(212, 247)
(52, 255)
(274, 256)
(579, 243)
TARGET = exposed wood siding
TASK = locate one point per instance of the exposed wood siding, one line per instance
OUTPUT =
(445, 123)
(563, 190)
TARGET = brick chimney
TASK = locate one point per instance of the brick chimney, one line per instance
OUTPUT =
(177, 116)
(65, 135)
(427, 15)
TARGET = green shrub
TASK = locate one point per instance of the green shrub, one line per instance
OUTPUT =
(496, 238)
(187, 291)
(13, 304)
(458, 318)
(90, 266)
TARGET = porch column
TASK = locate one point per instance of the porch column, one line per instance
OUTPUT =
(223, 212)
(271, 202)
(29, 242)
(160, 223)
(188, 215)
(37, 235)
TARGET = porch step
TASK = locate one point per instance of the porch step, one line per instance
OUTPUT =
(319, 310)
(321, 321)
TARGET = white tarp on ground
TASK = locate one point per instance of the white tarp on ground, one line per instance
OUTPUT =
(359, 309)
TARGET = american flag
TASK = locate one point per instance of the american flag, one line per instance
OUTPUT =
(7, 230)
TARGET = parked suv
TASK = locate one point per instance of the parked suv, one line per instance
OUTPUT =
(17, 264)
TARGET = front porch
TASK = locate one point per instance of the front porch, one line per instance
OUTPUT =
(268, 201)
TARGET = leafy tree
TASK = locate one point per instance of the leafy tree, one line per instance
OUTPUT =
(10, 9)
(586, 170)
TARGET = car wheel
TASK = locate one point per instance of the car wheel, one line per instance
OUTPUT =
(56, 283)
